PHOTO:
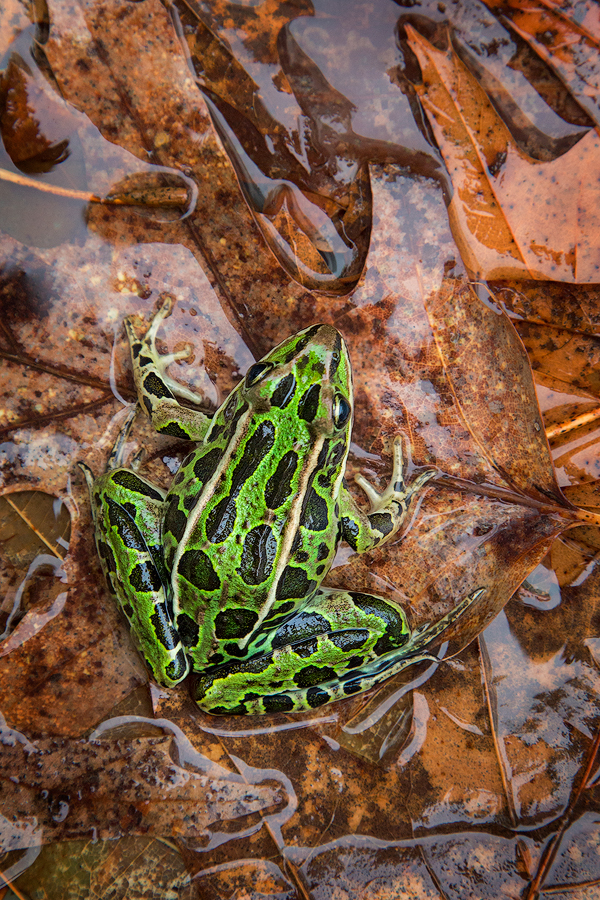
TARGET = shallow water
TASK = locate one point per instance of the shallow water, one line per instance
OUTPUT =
(278, 165)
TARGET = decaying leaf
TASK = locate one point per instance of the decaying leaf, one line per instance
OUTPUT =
(510, 213)
(66, 789)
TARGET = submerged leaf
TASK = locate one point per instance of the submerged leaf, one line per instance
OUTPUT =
(544, 694)
(66, 789)
(510, 213)
(135, 867)
(33, 522)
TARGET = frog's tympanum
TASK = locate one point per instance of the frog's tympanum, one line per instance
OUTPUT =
(223, 572)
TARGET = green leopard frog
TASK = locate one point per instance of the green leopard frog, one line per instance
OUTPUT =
(222, 574)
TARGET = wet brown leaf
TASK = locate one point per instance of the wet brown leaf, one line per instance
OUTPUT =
(567, 39)
(564, 356)
(496, 397)
(316, 224)
(65, 790)
(509, 211)
(296, 140)
(559, 327)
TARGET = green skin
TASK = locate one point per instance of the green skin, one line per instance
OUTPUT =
(222, 574)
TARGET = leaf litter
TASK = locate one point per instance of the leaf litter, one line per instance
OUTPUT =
(464, 757)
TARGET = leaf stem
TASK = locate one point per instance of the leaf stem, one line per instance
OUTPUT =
(568, 425)
(506, 495)
(163, 197)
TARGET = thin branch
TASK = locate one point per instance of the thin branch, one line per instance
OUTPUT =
(160, 197)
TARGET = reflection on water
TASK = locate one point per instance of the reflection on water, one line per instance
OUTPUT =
(46, 146)
(543, 687)
(302, 100)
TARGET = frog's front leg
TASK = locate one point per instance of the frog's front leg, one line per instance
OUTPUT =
(157, 391)
(389, 510)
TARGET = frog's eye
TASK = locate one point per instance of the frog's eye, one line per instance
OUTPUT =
(256, 372)
(341, 411)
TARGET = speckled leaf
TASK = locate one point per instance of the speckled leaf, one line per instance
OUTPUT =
(66, 789)
(567, 39)
(509, 213)
(133, 868)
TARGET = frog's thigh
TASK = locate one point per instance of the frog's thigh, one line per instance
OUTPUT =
(297, 665)
(330, 611)
(127, 515)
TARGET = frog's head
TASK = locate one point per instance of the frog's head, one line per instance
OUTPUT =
(306, 379)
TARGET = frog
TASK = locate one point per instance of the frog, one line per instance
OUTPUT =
(222, 573)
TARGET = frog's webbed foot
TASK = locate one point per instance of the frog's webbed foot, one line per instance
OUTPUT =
(398, 494)
(161, 361)
(158, 393)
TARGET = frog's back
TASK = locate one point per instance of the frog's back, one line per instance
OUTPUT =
(251, 525)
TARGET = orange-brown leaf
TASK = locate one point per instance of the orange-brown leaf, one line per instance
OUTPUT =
(510, 214)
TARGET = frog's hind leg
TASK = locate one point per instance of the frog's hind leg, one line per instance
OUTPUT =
(341, 643)
(127, 511)
(368, 676)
